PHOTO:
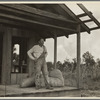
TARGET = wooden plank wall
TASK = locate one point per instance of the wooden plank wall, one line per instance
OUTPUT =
(17, 78)
(8, 33)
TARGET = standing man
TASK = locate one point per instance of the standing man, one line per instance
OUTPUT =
(38, 53)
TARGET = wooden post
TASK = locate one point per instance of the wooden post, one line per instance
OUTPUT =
(6, 59)
(78, 57)
(55, 50)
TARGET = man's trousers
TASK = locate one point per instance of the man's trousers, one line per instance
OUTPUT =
(40, 65)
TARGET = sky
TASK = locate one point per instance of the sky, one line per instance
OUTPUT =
(66, 47)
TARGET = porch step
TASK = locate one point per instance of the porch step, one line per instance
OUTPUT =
(15, 91)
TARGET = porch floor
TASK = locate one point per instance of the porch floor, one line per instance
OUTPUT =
(16, 91)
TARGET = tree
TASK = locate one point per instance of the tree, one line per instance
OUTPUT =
(49, 65)
(59, 66)
(88, 59)
(67, 65)
(89, 65)
(98, 62)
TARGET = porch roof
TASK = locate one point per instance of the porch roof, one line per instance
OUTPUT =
(46, 19)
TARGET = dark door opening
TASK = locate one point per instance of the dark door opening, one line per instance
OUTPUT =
(19, 59)
(1, 45)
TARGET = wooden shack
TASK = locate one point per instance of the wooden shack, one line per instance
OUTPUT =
(22, 24)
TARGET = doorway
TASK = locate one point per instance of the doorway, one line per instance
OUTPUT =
(19, 46)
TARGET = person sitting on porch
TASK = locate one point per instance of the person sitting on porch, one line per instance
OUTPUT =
(38, 53)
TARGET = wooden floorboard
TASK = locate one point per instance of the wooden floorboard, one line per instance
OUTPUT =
(15, 90)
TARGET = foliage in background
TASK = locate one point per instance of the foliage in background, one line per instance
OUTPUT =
(90, 71)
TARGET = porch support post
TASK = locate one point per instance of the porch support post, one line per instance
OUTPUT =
(55, 50)
(78, 57)
(6, 59)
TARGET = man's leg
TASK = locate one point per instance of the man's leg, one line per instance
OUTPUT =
(45, 74)
(37, 74)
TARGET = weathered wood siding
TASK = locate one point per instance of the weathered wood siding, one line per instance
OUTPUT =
(8, 33)
(17, 78)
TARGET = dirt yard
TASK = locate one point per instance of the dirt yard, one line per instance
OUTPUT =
(90, 93)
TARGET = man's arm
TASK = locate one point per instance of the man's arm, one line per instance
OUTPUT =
(30, 52)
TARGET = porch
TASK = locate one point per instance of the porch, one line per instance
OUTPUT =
(16, 91)
(14, 29)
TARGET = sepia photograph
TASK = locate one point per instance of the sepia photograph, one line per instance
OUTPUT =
(50, 49)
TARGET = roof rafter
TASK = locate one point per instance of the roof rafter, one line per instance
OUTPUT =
(32, 16)
(74, 17)
(46, 21)
(89, 14)
(39, 12)
(86, 21)
(82, 15)
(35, 22)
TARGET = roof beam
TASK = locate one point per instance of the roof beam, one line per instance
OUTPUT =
(35, 22)
(20, 25)
(39, 12)
(63, 33)
(89, 14)
(64, 7)
(19, 13)
(40, 18)
(11, 22)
